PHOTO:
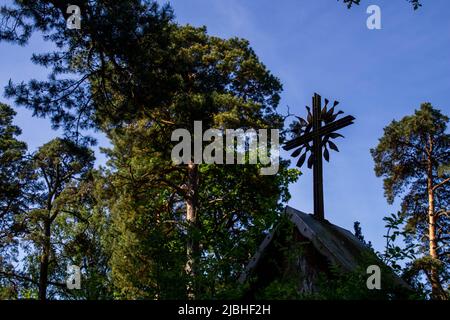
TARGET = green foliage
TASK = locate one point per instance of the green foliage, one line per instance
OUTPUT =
(135, 74)
(12, 199)
(332, 283)
(132, 72)
(409, 157)
(281, 258)
(147, 205)
(285, 289)
(12, 153)
(223, 83)
(82, 229)
(352, 285)
(400, 156)
(359, 234)
(59, 172)
(394, 254)
(118, 64)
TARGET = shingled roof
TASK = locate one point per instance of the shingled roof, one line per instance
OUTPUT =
(338, 245)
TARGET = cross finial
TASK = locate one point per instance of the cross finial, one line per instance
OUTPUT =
(313, 135)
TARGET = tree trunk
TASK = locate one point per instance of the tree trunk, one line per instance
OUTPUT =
(437, 292)
(45, 258)
(192, 246)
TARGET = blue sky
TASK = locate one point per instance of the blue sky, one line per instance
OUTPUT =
(317, 46)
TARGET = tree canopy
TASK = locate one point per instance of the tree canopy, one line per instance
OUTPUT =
(409, 157)
(135, 74)
(141, 227)
(12, 201)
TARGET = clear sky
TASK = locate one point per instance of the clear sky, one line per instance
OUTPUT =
(317, 46)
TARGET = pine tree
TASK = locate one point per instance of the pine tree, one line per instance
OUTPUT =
(224, 85)
(130, 65)
(58, 167)
(409, 157)
(117, 66)
(12, 196)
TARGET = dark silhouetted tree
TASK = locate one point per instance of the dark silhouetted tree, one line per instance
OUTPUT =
(58, 167)
(12, 196)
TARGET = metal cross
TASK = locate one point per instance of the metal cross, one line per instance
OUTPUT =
(315, 138)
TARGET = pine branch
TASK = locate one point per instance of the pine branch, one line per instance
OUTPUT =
(441, 184)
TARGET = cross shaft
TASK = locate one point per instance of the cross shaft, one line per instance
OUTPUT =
(316, 136)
